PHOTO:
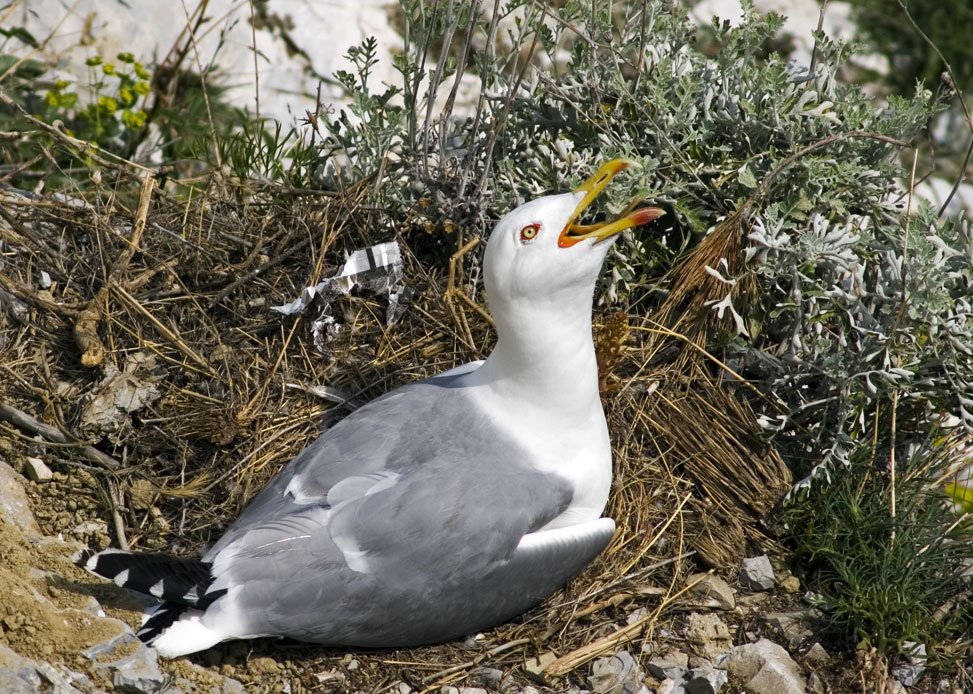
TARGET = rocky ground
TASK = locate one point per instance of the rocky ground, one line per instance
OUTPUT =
(62, 630)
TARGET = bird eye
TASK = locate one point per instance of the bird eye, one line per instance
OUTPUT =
(529, 233)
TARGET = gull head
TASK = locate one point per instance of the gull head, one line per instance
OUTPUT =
(541, 252)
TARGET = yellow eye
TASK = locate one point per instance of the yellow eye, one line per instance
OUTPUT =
(529, 232)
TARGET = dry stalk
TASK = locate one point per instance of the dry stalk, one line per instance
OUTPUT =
(86, 327)
(24, 421)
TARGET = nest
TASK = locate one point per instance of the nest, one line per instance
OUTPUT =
(156, 309)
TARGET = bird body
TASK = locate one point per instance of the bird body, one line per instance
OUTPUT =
(441, 508)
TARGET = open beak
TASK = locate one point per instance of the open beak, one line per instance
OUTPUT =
(574, 232)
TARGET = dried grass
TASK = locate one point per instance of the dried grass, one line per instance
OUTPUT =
(189, 281)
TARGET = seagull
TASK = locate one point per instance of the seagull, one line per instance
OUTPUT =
(442, 508)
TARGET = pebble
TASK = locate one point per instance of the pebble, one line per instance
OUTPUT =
(489, 677)
(705, 680)
(790, 627)
(37, 471)
(910, 671)
(534, 667)
(756, 573)
(817, 656)
(264, 665)
(618, 674)
(712, 587)
(791, 585)
(131, 665)
(764, 668)
(672, 665)
(709, 634)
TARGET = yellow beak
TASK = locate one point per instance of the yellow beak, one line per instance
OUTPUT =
(592, 188)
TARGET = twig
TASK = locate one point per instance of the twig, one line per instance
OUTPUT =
(476, 661)
(166, 332)
(588, 652)
(21, 419)
(86, 327)
(118, 524)
(452, 293)
(102, 156)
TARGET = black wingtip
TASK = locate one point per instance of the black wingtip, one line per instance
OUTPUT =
(82, 558)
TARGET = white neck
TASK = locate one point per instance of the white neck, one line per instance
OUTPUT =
(546, 364)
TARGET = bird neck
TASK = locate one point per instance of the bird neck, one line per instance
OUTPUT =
(547, 365)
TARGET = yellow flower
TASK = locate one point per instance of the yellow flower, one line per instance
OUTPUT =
(108, 69)
(110, 104)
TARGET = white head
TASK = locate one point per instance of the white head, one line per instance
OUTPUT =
(541, 265)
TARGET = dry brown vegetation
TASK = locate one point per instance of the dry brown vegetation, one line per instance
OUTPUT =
(173, 293)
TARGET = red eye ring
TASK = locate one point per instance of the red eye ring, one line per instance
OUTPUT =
(529, 233)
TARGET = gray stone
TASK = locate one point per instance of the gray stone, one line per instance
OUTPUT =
(764, 668)
(489, 677)
(705, 680)
(472, 690)
(132, 666)
(910, 671)
(619, 674)
(817, 656)
(712, 587)
(756, 573)
(672, 665)
(14, 505)
(668, 686)
(534, 667)
(790, 627)
(815, 684)
(37, 471)
(20, 675)
(709, 635)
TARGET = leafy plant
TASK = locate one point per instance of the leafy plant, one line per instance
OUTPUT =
(889, 564)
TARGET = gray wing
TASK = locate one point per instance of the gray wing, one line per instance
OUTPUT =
(385, 528)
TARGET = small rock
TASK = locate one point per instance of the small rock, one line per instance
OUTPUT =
(330, 677)
(132, 666)
(706, 680)
(529, 690)
(142, 494)
(14, 505)
(489, 677)
(909, 672)
(534, 667)
(791, 627)
(709, 634)
(37, 471)
(756, 573)
(472, 690)
(764, 668)
(402, 688)
(20, 675)
(817, 656)
(791, 585)
(673, 666)
(697, 661)
(448, 689)
(619, 674)
(263, 666)
(712, 587)
(668, 686)
(815, 684)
